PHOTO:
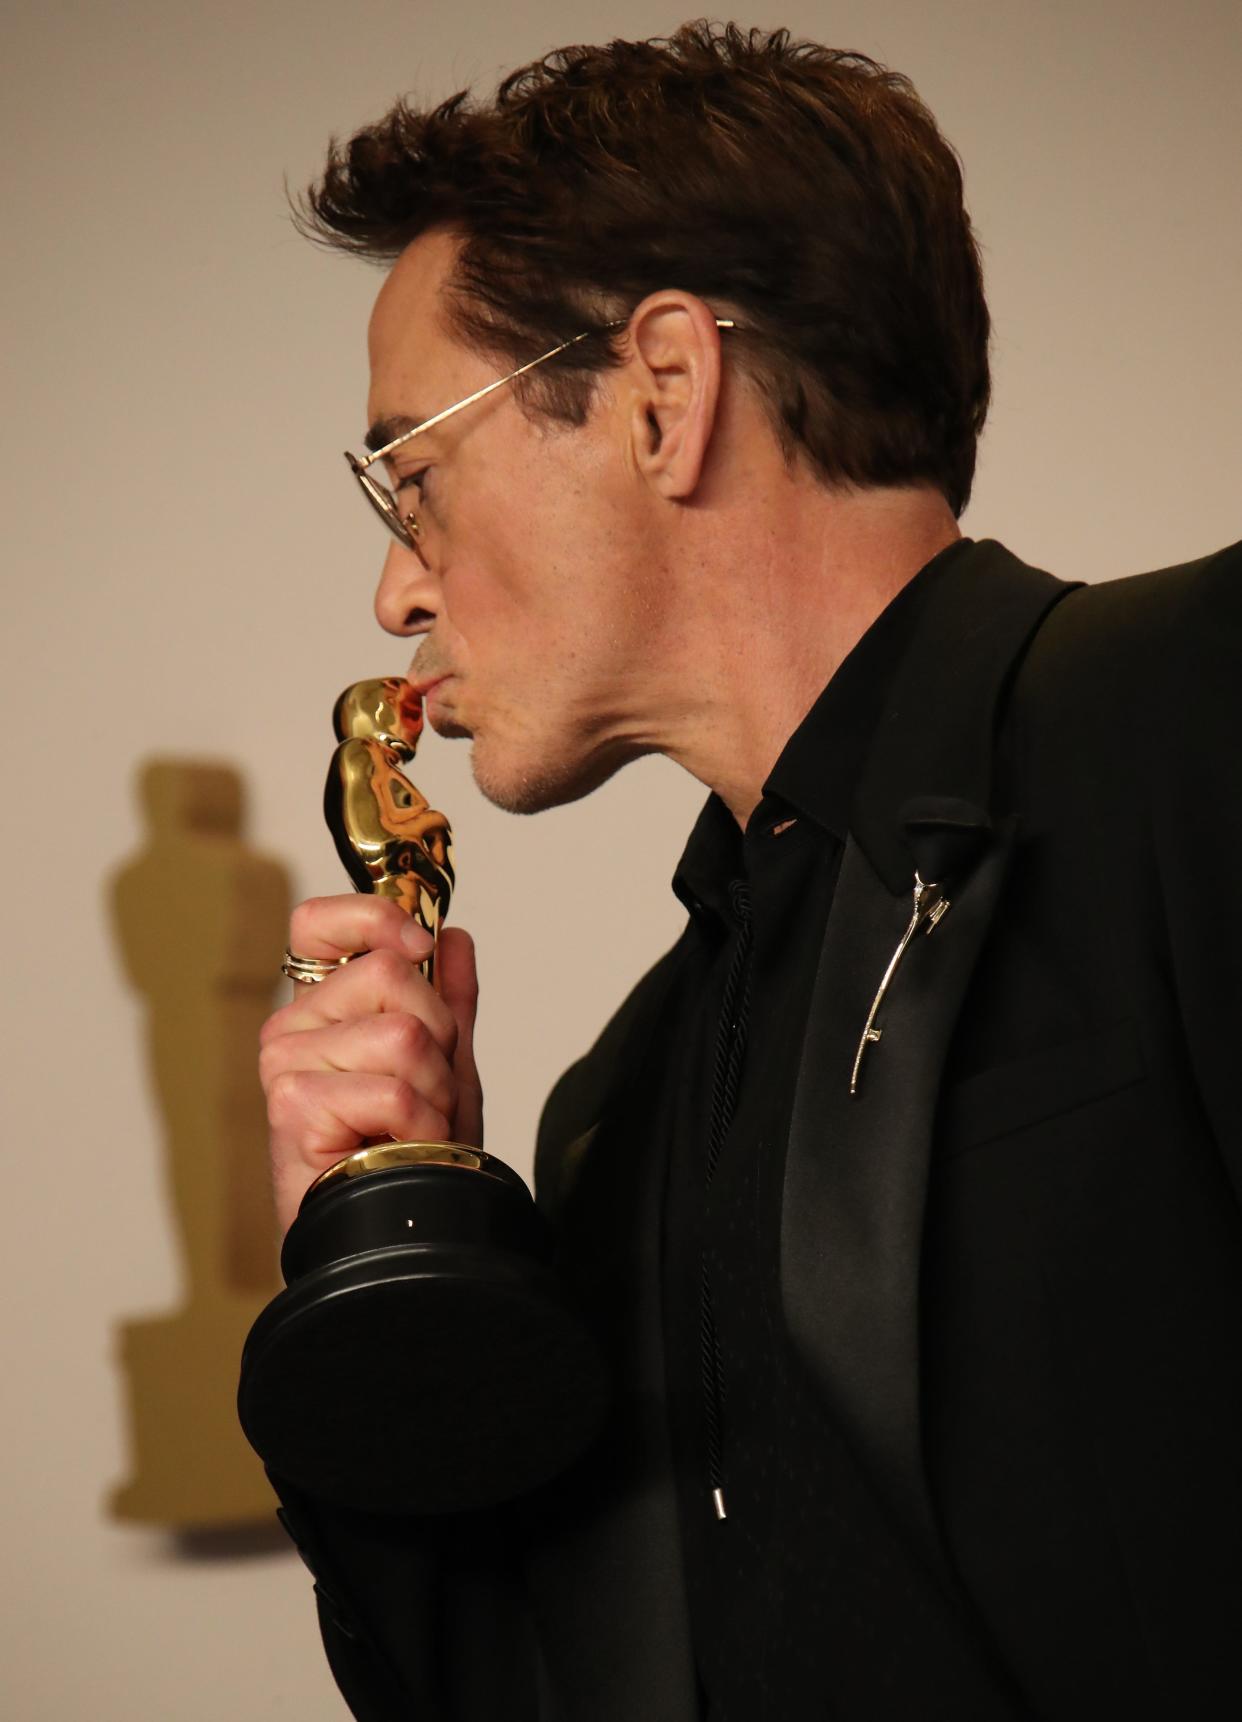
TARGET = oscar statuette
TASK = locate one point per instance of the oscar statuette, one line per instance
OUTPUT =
(423, 1357)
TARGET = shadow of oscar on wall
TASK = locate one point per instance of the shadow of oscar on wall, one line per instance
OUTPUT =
(200, 920)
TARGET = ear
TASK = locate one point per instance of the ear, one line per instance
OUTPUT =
(673, 377)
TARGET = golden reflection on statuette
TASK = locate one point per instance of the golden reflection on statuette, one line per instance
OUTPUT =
(391, 841)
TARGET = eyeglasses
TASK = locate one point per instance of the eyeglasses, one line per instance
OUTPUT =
(402, 522)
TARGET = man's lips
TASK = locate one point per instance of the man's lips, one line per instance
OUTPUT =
(423, 685)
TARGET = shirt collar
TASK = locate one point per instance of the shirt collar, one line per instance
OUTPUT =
(713, 856)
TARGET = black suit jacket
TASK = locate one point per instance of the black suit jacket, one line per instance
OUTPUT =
(1012, 1261)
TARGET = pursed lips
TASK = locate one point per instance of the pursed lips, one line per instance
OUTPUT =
(435, 704)
(424, 682)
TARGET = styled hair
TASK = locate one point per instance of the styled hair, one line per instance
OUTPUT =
(804, 191)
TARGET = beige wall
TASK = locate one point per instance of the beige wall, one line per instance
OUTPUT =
(187, 571)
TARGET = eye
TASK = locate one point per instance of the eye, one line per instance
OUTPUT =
(412, 481)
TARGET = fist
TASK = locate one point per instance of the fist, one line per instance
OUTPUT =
(374, 1051)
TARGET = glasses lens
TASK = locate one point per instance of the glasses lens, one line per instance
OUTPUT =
(398, 521)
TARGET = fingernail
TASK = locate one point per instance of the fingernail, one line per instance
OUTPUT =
(417, 940)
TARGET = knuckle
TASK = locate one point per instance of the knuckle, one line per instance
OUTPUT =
(399, 1096)
(284, 1096)
(388, 967)
(409, 1036)
(271, 1060)
(442, 1030)
(443, 1097)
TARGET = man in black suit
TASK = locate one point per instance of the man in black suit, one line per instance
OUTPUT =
(903, 1192)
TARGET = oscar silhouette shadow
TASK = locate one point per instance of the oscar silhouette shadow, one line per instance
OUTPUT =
(200, 919)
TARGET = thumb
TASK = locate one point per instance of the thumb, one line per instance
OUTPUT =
(458, 979)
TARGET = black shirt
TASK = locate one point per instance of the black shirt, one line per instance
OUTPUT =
(801, 1555)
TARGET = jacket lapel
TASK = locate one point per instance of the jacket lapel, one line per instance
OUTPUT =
(857, 1165)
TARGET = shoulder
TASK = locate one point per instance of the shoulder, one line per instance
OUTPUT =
(590, 1086)
(1138, 610)
(1112, 655)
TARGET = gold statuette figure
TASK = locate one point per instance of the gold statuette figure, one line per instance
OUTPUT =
(390, 839)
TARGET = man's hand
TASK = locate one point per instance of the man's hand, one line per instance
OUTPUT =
(373, 1051)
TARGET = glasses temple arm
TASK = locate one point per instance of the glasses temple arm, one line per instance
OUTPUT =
(490, 388)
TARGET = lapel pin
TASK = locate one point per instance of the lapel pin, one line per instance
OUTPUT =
(930, 905)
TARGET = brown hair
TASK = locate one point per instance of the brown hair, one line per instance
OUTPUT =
(808, 192)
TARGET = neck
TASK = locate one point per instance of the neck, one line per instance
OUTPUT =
(751, 661)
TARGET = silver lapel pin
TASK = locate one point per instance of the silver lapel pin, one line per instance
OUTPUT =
(930, 904)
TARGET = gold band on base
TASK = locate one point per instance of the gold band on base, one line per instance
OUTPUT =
(385, 1156)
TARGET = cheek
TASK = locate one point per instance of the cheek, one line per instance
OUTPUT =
(501, 574)
(485, 600)
(544, 553)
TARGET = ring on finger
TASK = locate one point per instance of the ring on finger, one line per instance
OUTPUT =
(307, 970)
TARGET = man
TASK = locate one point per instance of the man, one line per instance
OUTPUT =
(902, 1193)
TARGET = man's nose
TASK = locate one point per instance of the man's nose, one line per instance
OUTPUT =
(407, 596)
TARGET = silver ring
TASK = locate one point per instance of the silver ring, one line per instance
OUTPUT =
(311, 969)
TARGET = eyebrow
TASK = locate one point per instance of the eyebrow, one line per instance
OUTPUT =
(384, 431)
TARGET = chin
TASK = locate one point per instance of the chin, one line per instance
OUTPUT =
(529, 785)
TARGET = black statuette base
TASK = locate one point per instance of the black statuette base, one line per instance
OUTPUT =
(424, 1358)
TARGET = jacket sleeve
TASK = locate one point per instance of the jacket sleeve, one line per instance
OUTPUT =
(423, 1620)
(1198, 834)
